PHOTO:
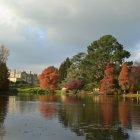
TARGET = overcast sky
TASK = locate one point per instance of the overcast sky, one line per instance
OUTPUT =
(40, 33)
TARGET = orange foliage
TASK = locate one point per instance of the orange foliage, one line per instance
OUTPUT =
(106, 84)
(49, 79)
(124, 77)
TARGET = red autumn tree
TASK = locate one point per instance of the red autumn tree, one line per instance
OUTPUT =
(106, 84)
(49, 79)
(73, 84)
(124, 77)
(135, 76)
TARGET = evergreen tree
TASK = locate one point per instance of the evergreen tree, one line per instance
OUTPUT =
(100, 52)
(63, 68)
(74, 72)
(4, 81)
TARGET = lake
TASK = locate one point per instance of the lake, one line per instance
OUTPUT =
(69, 118)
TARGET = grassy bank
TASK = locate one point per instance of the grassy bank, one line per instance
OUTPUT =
(131, 95)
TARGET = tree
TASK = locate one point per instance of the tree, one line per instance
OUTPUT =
(106, 84)
(63, 68)
(124, 78)
(73, 84)
(135, 76)
(4, 81)
(4, 52)
(49, 79)
(74, 72)
(105, 50)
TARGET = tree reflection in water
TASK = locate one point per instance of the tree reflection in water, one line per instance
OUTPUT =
(124, 110)
(47, 106)
(3, 112)
(96, 120)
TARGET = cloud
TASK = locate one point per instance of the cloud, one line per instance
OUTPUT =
(46, 32)
(136, 52)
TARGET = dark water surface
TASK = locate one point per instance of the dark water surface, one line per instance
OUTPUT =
(69, 118)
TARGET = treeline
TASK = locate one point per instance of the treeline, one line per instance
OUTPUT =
(102, 67)
(4, 82)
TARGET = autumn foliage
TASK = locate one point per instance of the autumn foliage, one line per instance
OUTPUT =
(106, 84)
(124, 77)
(73, 84)
(49, 79)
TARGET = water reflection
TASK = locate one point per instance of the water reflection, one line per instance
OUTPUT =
(107, 109)
(3, 112)
(94, 120)
(81, 118)
(124, 110)
(47, 106)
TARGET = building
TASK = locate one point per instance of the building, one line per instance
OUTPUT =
(15, 76)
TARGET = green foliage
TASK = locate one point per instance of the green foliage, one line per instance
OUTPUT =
(74, 72)
(63, 69)
(4, 82)
(100, 52)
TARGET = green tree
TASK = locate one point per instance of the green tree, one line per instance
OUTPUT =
(4, 81)
(63, 68)
(105, 50)
(74, 72)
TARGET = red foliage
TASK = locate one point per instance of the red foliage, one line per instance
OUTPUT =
(132, 88)
(106, 84)
(124, 77)
(49, 79)
(135, 75)
(73, 84)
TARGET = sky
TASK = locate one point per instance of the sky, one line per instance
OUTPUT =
(42, 33)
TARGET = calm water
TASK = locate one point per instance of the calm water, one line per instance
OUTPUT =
(69, 118)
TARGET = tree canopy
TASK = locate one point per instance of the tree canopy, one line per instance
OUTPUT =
(4, 75)
(4, 82)
(4, 52)
(107, 83)
(63, 68)
(49, 79)
(105, 50)
(124, 77)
